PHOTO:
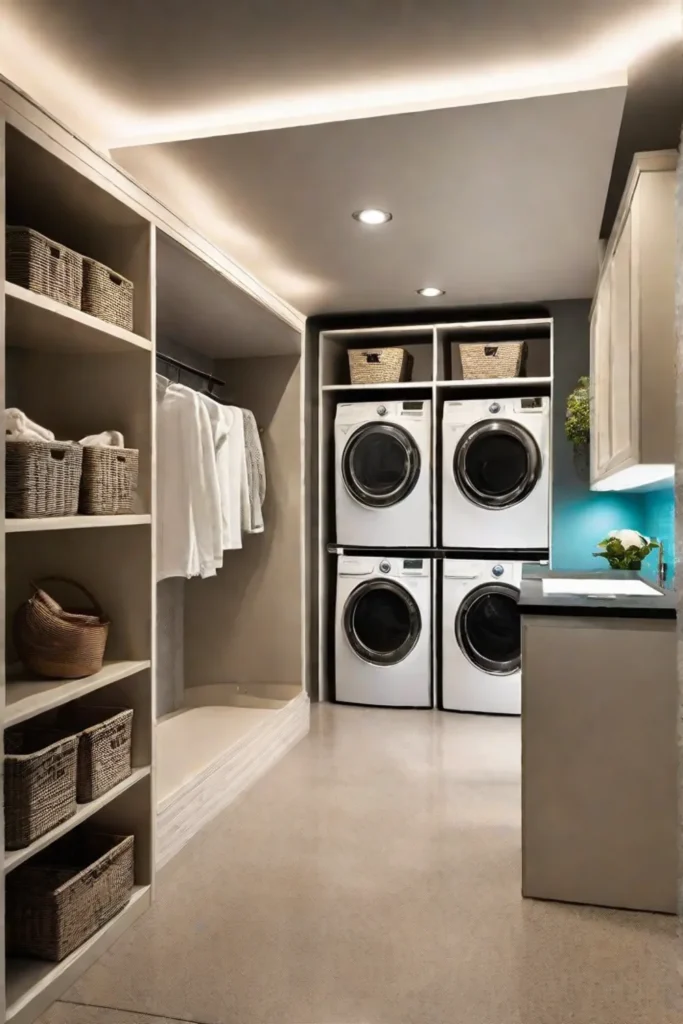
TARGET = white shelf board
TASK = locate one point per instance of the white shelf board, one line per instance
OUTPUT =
(37, 322)
(13, 858)
(33, 985)
(25, 697)
(406, 385)
(73, 523)
(503, 382)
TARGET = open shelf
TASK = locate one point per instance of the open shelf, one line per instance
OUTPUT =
(26, 697)
(13, 858)
(73, 523)
(37, 322)
(32, 985)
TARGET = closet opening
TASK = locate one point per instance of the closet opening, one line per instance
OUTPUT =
(230, 695)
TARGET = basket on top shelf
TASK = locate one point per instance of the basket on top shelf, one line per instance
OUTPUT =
(68, 892)
(493, 361)
(380, 365)
(43, 266)
(106, 294)
(58, 644)
(42, 478)
(40, 784)
(108, 480)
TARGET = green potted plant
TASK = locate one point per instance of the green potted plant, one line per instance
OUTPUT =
(625, 549)
(577, 424)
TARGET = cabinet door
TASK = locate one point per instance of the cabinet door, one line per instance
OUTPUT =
(601, 403)
(623, 419)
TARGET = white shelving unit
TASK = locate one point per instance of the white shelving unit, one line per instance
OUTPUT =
(79, 375)
(437, 377)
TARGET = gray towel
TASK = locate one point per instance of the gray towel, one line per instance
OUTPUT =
(256, 472)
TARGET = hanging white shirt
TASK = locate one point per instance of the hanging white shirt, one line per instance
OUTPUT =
(188, 495)
(234, 480)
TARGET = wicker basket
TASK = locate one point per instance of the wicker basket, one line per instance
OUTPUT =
(106, 294)
(104, 747)
(492, 361)
(43, 266)
(58, 644)
(40, 784)
(42, 478)
(67, 893)
(379, 365)
(108, 481)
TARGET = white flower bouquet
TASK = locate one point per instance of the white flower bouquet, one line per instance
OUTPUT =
(625, 549)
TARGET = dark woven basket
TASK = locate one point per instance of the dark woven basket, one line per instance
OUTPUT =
(40, 784)
(104, 747)
(107, 294)
(43, 266)
(42, 478)
(67, 893)
(380, 365)
(108, 480)
(59, 644)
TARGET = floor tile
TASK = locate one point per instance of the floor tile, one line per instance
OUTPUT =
(70, 1013)
(374, 878)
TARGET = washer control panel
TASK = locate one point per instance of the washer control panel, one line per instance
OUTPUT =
(385, 566)
(497, 571)
(381, 410)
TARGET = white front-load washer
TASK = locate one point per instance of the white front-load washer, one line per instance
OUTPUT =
(382, 473)
(481, 636)
(383, 631)
(496, 473)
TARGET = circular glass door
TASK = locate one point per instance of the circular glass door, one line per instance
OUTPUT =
(496, 463)
(488, 630)
(382, 622)
(380, 464)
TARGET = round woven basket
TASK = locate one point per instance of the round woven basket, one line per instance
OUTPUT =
(58, 644)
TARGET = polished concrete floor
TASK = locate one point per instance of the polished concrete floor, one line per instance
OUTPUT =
(373, 878)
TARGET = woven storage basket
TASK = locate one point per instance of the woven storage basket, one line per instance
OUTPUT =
(59, 644)
(108, 480)
(104, 747)
(43, 266)
(106, 294)
(493, 362)
(67, 893)
(40, 784)
(42, 478)
(379, 365)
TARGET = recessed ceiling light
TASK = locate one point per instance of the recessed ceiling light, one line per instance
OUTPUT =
(430, 293)
(372, 216)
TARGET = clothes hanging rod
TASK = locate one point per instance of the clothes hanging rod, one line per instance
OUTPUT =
(190, 369)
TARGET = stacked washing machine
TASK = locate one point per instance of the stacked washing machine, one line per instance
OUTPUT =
(383, 634)
(493, 511)
(495, 499)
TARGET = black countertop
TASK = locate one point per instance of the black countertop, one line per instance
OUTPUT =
(533, 601)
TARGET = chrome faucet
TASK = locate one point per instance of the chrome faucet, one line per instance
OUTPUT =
(661, 567)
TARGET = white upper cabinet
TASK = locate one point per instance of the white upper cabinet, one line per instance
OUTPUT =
(633, 346)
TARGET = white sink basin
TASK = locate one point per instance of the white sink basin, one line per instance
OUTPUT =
(599, 588)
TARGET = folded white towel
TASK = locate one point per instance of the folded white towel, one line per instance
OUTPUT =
(18, 425)
(107, 439)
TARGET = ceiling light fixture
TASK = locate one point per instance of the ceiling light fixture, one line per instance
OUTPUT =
(430, 292)
(372, 216)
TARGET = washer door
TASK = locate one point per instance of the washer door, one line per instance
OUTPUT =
(382, 622)
(488, 628)
(496, 463)
(380, 464)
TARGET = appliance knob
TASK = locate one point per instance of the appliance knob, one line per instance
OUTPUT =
(385, 566)
(497, 570)
(381, 410)
(494, 407)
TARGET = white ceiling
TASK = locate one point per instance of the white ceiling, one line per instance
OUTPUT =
(495, 203)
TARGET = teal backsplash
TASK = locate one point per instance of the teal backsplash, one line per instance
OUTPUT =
(578, 526)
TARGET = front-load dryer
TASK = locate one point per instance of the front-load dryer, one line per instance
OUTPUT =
(481, 636)
(383, 631)
(496, 473)
(382, 474)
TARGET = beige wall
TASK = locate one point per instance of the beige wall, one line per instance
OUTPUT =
(244, 625)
